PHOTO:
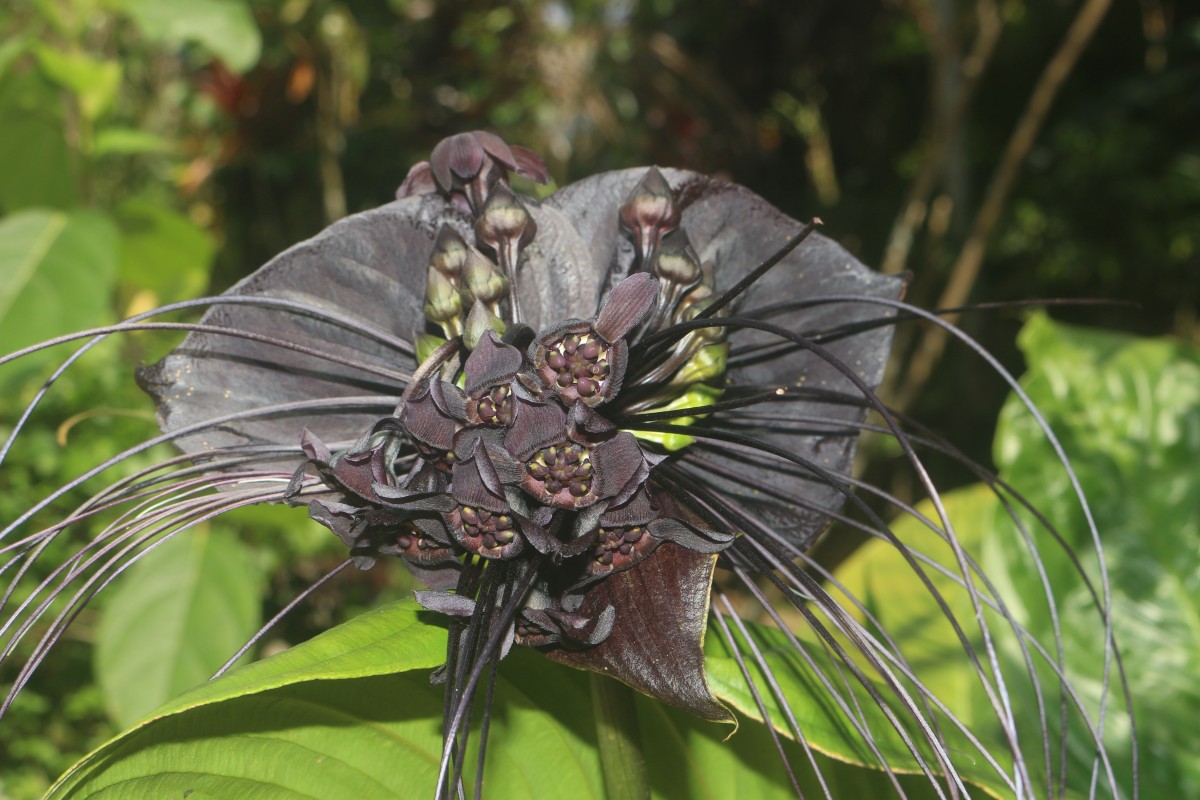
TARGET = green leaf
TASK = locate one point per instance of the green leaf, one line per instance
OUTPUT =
(226, 28)
(824, 724)
(174, 620)
(128, 141)
(1127, 411)
(56, 274)
(35, 160)
(93, 82)
(162, 252)
(351, 713)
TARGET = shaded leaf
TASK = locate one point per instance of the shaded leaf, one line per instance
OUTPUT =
(174, 620)
(35, 160)
(162, 251)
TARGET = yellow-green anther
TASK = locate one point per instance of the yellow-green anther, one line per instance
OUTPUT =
(483, 280)
(696, 397)
(450, 253)
(443, 304)
(712, 333)
(480, 320)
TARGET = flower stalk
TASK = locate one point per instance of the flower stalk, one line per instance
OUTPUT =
(619, 739)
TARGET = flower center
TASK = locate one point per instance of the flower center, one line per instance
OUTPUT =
(562, 467)
(577, 363)
(495, 407)
(613, 543)
(490, 529)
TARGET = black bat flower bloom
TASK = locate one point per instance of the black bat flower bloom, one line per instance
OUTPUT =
(569, 418)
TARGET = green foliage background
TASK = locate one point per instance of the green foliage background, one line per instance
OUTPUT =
(152, 151)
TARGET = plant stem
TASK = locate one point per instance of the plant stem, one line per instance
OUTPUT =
(621, 760)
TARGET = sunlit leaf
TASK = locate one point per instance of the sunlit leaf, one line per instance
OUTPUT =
(1127, 411)
(94, 82)
(226, 28)
(353, 708)
(56, 273)
(128, 141)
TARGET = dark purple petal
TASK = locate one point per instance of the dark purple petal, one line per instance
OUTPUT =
(470, 489)
(491, 363)
(426, 420)
(627, 306)
(616, 462)
(448, 603)
(530, 164)
(418, 181)
(656, 642)
(535, 426)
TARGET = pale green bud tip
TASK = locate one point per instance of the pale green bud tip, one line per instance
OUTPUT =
(483, 279)
(480, 320)
(442, 301)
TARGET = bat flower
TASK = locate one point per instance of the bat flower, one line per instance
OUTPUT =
(592, 424)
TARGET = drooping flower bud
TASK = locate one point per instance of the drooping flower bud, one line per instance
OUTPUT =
(450, 253)
(483, 279)
(506, 226)
(443, 304)
(648, 214)
(675, 261)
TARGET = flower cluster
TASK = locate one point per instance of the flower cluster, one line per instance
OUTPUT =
(573, 432)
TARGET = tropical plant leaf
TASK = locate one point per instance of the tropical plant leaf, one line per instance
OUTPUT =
(1127, 411)
(175, 619)
(162, 252)
(353, 708)
(226, 28)
(94, 82)
(56, 273)
(35, 159)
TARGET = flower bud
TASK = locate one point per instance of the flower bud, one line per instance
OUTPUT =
(480, 320)
(675, 261)
(443, 304)
(649, 213)
(504, 220)
(482, 279)
(450, 253)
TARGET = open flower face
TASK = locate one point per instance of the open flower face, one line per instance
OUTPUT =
(565, 416)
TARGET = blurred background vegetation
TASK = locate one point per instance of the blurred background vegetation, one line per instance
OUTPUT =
(152, 151)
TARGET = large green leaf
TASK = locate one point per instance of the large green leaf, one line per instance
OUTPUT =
(174, 620)
(824, 722)
(1127, 411)
(226, 28)
(56, 273)
(352, 711)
